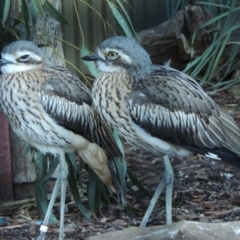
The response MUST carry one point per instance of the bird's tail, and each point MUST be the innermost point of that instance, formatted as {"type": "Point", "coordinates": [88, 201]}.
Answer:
{"type": "Point", "coordinates": [222, 154]}
{"type": "Point", "coordinates": [97, 160]}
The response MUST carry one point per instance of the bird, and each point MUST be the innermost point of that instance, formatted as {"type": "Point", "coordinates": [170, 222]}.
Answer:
{"type": "Point", "coordinates": [159, 109]}
{"type": "Point", "coordinates": [51, 109]}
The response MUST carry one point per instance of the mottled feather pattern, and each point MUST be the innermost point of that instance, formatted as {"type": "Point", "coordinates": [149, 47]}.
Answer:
{"type": "Point", "coordinates": [69, 87]}
{"type": "Point", "coordinates": [69, 102]}
{"type": "Point", "coordinates": [50, 108]}
{"type": "Point", "coordinates": [20, 103]}
{"type": "Point", "coordinates": [172, 106]}
{"type": "Point", "coordinates": [159, 108]}
{"type": "Point", "coordinates": [81, 119]}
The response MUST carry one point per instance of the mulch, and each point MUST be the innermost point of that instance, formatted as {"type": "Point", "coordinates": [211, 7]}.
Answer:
{"type": "Point", "coordinates": [204, 190]}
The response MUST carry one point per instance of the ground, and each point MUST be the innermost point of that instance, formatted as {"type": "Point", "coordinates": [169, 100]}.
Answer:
{"type": "Point", "coordinates": [204, 190]}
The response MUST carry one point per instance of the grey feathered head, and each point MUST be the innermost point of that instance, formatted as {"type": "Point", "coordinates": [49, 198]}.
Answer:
{"type": "Point", "coordinates": [22, 55]}
{"type": "Point", "coordinates": [122, 53]}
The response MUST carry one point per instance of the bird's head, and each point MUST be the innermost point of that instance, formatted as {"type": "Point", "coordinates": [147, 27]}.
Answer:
{"type": "Point", "coordinates": [21, 56]}
{"type": "Point", "coordinates": [120, 53]}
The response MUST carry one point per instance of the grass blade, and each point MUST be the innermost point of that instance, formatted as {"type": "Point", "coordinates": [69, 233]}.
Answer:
{"type": "Point", "coordinates": [54, 13]}
{"type": "Point", "coordinates": [138, 184]}
{"type": "Point", "coordinates": [121, 20]}
{"type": "Point", "coordinates": [38, 6]}
{"type": "Point", "coordinates": [6, 11]}
{"type": "Point", "coordinates": [25, 12]}
{"type": "Point", "coordinates": [74, 189]}
{"type": "Point", "coordinates": [90, 65]}
{"type": "Point", "coordinates": [128, 19]}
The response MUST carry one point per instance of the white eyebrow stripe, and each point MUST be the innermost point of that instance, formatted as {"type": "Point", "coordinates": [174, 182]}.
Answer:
{"type": "Point", "coordinates": [123, 55]}
{"type": "Point", "coordinates": [31, 54]}
{"type": "Point", "coordinates": [22, 53]}
{"type": "Point", "coordinates": [13, 58]}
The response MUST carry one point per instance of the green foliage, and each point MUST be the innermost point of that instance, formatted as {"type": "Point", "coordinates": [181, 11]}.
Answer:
{"type": "Point", "coordinates": [41, 198]}
{"type": "Point", "coordinates": [73, 185]}
{"type": "Point", "coordinates": [21, 27]}
{"type": "Point", "coordinates": [38, 7]}
{"type": "Point", "coordinates": [48, 7]}
{"type": "Point", "coordinates": [90, 65]}
{"type": "Point", "coordinates": [122, 19]}
{"type": "Point", "coordinates": [121, 165]}
{"type": "Point", "coordinates": [135, 182]}
{"type": "Point", "coordinates": [5, 11]}
{"type": "Point", "coordinates": [209, 68]}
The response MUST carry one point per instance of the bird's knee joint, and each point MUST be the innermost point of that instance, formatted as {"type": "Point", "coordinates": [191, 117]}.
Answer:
{"type": "Point", "coordinates": [63, 174]}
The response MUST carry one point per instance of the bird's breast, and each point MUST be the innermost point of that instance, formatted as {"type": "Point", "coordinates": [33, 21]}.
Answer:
{"type": "Point", "coordinates": [20, 103]}
{"type": "Point", "coordinates": [109, 95]}
{"type": "Point", "coordinates": [110, 101]}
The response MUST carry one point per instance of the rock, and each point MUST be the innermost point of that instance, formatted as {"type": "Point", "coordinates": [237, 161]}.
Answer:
{"type": "Point", "coordinates": [182, 230]}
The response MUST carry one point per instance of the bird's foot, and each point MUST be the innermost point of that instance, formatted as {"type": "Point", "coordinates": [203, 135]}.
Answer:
{"type": "Point", "coordinates": [63, 174]}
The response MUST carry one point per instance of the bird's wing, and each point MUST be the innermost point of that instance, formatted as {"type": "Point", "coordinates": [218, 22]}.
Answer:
{"type": "Point", "coordinates": [69, 87]}
{"type": "Point", "coordinates": [68, 101]}
{"type": "Point", "coordinates": [172, 106]}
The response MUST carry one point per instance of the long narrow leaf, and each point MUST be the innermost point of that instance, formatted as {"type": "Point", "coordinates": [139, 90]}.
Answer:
{"type": "Point", "coordinates": [121, 19]}
{"type": "Point", "coordinates": [117, 138]}
{"type": "Point", "coordinates": [54, 13]}
{"type": "Point", "coordinates": [6, 10]}
{"type": "Point", "coordinates": [37, 4]}
{"type": "Point", "coordinates": [208, 3]}
{"type": "Point", "coordinates": [90, 65]}
{"type": "Point", "coordinates": [121, 168]}
{"type": "Point", "coordinates": [40, 191]}
{"type": "Point", "coordinates": [74, 189]}
{"type": "Point", "coordinates": [26, 19]}
{"type": "Point", "coordinates": [138, 184]}
{"type": "Point", "coordinates": [219, 17]}
{"type": "Point", "coordinates": [128, 19]}
{"type": "Point", "coordinates": [92, 189]}
{"type": "Point", "coordinates": [53, 165]}
{"type": "Point", "coordinates": [103, 191]}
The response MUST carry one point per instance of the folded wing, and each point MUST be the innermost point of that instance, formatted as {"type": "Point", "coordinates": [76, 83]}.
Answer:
{"type": "Point", "coordinates": [173, 107]}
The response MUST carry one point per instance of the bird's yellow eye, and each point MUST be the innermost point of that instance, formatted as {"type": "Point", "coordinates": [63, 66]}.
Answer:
{"type": "Point", "coordinates": [112, 55]}
{"type": "Point", "coordinates": [24, 58]}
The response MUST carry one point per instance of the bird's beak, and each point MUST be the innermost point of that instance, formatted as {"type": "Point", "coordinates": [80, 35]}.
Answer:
{"type": "Point", "coordinates": [3, 62]}
{"type": "Point", "coordinates": [92, 57]}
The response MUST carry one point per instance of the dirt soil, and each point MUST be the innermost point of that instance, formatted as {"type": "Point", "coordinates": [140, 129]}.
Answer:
{"type": "Point", "coordinates": [204, 190]}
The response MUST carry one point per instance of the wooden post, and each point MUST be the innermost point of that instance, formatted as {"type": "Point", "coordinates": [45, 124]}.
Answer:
{"type": "Point", "coordinates": [6, 185]}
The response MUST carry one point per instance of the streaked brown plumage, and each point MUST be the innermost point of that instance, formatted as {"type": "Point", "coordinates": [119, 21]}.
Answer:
{"type": "Point", "coordinates": [50, 108]}
{"type": "Point", "coordinates": [160, 109]}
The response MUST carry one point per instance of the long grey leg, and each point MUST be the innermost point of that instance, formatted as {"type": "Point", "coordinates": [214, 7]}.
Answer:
{"type": "Point", "coordinates": [167, 181]}
{"type": "Point", "coordinates": [61, 181]}
{"type": "Point", "coordinates": [43, 228]}
{"type": "Point", "coordinates": [64, 174]}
